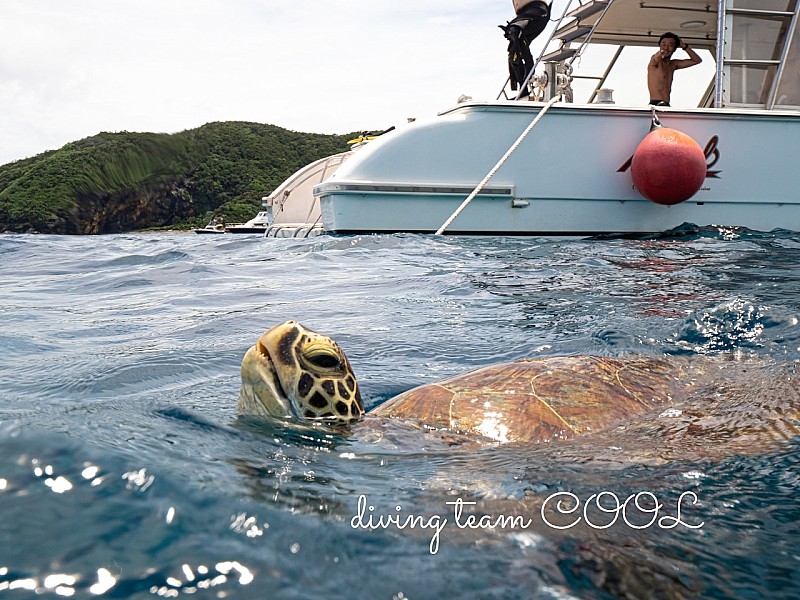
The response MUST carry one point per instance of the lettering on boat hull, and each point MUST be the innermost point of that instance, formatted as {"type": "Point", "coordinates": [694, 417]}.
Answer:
{"type": "Point", "coordinates": [711, 152]}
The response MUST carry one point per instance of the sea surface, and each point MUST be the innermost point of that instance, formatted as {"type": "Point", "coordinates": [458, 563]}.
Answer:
{"type": "Point", "coordinates": [125, 471]}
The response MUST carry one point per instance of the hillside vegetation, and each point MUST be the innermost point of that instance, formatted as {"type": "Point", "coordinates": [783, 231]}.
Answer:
{"type": "Point", "coordinates": [116, 182]}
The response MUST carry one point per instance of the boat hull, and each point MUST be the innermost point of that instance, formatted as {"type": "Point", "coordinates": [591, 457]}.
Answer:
{"type": "Point", "coordinates": [570, 176]}
{"type": "Point", "coordinates": [245, 229]}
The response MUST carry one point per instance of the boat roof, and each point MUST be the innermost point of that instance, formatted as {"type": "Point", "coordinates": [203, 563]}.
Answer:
{"type": "Point", "coordinates": [638, 23]}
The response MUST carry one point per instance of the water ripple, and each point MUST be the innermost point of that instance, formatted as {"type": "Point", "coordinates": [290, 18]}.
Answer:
{"type": "Point", "coordinates": [125, 469]}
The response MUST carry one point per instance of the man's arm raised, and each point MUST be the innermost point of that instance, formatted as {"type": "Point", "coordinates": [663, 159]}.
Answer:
{"type": "Point", "coordinates": [694, 58]}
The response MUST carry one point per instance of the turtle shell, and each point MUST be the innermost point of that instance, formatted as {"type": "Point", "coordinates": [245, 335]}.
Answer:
{"type": "Point", "coordinates": [545, 399]}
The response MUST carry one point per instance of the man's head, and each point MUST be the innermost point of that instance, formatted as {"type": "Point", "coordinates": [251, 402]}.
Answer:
{"type": "Point", "coordinates": [668, 43]}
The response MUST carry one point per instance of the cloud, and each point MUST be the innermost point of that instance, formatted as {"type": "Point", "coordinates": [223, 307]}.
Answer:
{"type": "Point", "coordinates": [72, 69]}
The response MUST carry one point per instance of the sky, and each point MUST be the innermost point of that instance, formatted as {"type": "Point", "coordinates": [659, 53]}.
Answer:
{"type": "Point", "coordinates": [70, 69]}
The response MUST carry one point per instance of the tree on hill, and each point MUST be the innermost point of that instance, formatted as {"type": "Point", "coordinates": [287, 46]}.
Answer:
{"type": "Point", "coordinates": [115, 182]}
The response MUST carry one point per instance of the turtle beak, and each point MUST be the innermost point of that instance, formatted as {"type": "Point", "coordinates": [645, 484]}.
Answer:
{"type": "Point", "coordinates": [261, 392]}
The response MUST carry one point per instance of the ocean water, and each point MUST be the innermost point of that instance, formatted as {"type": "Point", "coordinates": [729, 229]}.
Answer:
{"type": "Point", "coordinates": [125, 471]}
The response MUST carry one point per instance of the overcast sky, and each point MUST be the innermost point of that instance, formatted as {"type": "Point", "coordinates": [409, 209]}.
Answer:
{"type": "Point", "coordinates": [73, 68]}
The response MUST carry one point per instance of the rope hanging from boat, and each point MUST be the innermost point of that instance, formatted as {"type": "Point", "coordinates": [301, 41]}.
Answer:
{"type": "Point", "coordinates": [499, 164]}
{"type": "Point", "coordinates": [655, 123]}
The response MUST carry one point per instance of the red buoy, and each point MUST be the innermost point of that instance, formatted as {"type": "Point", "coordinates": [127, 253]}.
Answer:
{"type": "Point", "coordinates": [668, 166]}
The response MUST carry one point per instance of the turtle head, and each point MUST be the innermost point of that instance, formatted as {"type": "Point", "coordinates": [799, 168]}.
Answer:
{"type": "Point", "coordinates": [293, 372]}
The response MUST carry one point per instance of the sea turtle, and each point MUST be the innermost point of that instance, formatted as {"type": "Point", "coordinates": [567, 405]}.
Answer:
{"type": "Point", "coordinates": [298, 374]}
{"type": "Point", "coordinates": [600, 410]}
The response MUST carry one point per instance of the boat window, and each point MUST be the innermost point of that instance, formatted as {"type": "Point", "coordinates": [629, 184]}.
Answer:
{"type": "Point", "coordinates": [748, 83]}
{"type": "Point", "coordinates": [756, 42]}
{"type": "Point", "coordinates": [758, 37]}
{"type": "Point", "coordinates": [789, 87]}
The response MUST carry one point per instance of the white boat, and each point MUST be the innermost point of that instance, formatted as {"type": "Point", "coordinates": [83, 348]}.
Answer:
{"type": "Point", "coordinates": [215, 226]}
{"type": "Point", "coordinates": [258, 224]}
{"type": "Point", "coordinates": [291, 209]}
{"type": "Point", "coordinates": [571, 174]}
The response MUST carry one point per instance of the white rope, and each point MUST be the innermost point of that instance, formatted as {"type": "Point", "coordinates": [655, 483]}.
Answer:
{"type": "Point", "coordinates": [499, 164]}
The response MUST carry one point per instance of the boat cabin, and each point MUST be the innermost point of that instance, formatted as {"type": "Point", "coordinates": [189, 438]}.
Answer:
{"type": "Point", "coordinates": [755, 45]}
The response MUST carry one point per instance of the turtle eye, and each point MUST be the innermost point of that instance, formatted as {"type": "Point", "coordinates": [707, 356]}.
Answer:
{"type": "Point", "coordinates": [325, 361]}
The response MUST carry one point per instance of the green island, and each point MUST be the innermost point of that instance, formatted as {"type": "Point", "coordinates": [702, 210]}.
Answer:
{"type": "Point", "coordinates": [120, 182]}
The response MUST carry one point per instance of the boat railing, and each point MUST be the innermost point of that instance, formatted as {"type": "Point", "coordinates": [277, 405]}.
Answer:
{"type": "Point", "coordinates": [294, 230]}
{"type": "Point", "coordinates": [584, 8]}
{"type": "Point", "coordinates": [578, 32]}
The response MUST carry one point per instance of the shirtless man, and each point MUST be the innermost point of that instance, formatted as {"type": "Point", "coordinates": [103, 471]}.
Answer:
{"type": "Point", "coordinates": [662, 67]}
